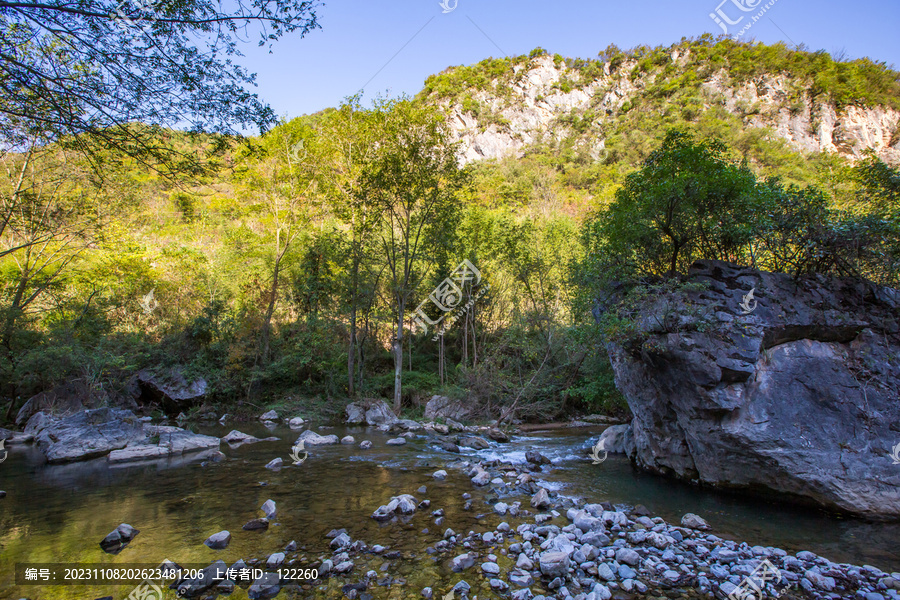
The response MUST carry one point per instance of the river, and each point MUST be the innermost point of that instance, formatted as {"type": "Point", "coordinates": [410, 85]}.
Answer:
{"type": "Point", "coordinates": [59, 513]}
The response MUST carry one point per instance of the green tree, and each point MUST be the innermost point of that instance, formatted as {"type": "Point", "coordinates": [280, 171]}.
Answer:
{"type": "Point", "coordinates": [412, 183]}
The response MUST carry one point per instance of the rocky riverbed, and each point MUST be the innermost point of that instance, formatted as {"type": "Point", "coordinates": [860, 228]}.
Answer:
{"type": "Point", "coordinates": [544, 546]}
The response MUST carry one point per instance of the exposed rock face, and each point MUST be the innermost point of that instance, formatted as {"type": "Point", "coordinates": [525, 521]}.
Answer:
{"type": "Point", "coordinates": [370, 412]}
{"type": "Point", "coordinates": [442, 407]}
{"type": "Point", "coordinates": [800, 396]}
{"type": "Point", "coordinates": [172, 391]}
{"type": "Point", "coordinates": [536, 105]}
{"type": "Point", "coordinates": [69, 398]}
{"type": "Point", "coordinates": [311, 438]}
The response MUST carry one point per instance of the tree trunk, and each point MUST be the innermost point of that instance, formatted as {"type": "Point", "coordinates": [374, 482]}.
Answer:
{"type": "Point", "coordinates": [269, 311]}
{"type": "Point", "coordinates": [398, 360]}
{"type": "Point", "coordinates": [441, 358]}
{"type": "Point", "coordinates": [351, 351]}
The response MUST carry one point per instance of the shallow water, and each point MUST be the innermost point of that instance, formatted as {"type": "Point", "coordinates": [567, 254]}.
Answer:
{"type": "Point", "coordinates": [59, 514]}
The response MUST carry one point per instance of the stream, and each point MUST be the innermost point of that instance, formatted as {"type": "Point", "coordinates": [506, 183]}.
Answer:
{"type": "Point", "coordinates": [59, 513]}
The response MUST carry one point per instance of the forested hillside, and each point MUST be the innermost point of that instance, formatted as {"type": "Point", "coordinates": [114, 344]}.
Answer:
{"type": "Point", "coordinates": [281, 267]}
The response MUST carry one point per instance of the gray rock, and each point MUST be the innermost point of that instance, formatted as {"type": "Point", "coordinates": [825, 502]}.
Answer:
{"type": "Point", "coordinates": [461, 588]}
{"type": "Point", "coordinates": [296, 423]}
{"type": "Point", "coordinates": [540, 500]}
{"type": "Point", "coordinates": [256, 524]}
{"type": "Point", "coordinates": [219, 541]}
{"type": "Point", "coordinates": [274, 560]}
{"type": "Point", "coordinates": [472, 441]}
{"type": "Point", "coordinates": [446, 446]}
{"type": "Point", "coordinates": [269, 509]}
{"type": "Point", "coordinates": [235, 438]}
{"type": "Point", "coordinates": [725, 386]}
{"type": "Point", "coordinates": [626, 572]}
{"type": "Point", "coordinates": [536, 458]}
{"type": "Point", "coordinates": [269, 416]}
{"type": "Point", "coordinates": [344, 567]}
{"type": "Point", "coordinates": [692, 521]}
{"type": "Point", "coordinates": [521, 578]}
{"type": "Point", "coordinates": [348, 439]}
{"type": "Point", "coordinates": [117, 539]}
{"type": "Point", "coordinates": [311, 438]}
{"type": "Point", "coordinates": [481, 478]}
{"type": "Point", "coordinates": [462, 562]}
{"type": "Point", "coordinates": [365, 445]}
{"type": "Point", "coordinates": [396, 441]}
{"type": "Point", "coordinates": [87, 434]}
{"type": "Point", "coordinates": [554, 564]}
{"type": "Point", "coordinates": [427, 593]}
{"type": "Point", "coordinates": [440, 475]}
{"type": "Point", "coordinates": [604, 571]}
{"type": "Point", "coordinates": [275, 464]}
{"type": "Point", "coordinates": [206, 579]}
{"type": "Point", "coordinates": [490, 568]}
{"type": "Point", "coordinates": [618, 439]}
{"type": "Point", "coordinates": [136, 453]}
{"type": "Point", "coordinates": [370, 412]}
{"type": "Point", "coordinates": [265, 587]}
{"type": "Point", "coordinates": [442, 407]}
{"type": "Point", "coordinates": [628, 557]}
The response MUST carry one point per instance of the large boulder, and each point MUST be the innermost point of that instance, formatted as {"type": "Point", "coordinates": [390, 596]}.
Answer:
{"type": "Point", "coordinates": [370, 412]}
{"type": "Point", "coordinates": [88, 434]}
{"type": "Point", "coordinates": [797, 395]}
{"type": "Point", "coordinates": [311, 438]}
{"type": "Point", "coordinates": [170, 390]}
{"type": "Point", "coordinates": [442, 407]}
{"type": "Point", "coordinates": [618, 439]}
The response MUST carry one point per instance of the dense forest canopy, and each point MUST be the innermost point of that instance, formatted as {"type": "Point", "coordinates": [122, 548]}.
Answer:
{"type": "Point", "coordinates": [290, 264]}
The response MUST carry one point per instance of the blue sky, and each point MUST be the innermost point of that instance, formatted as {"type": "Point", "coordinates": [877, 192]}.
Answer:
{"type": "Point", "coordinates": [358, 41]}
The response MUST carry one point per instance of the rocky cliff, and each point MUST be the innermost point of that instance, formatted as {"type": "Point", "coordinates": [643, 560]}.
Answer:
{"type": "Point", "coordinates": [544, 99]}
{"type": "Point", "coordinates": [800, 397]}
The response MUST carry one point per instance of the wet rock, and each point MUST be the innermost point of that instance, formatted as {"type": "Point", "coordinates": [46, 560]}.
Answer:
{"type": "Point", "coordinates": [344, 567]}
{"type": "Point", "coordinates": [628, 557]}
{"type": "Point", "coordinates": [405, 504]}
{"type": "Point", "coordinates": [269, 508]}
{"type": "Point", "coordinates": [474, 442]}
{"type": "Point", "coordinates": [235, 438]}
{"type": "Point", "coordinates": [618, 439]}
{"type": "Point", "coordinates": [462, 562]}
{"type": "Point", "coordinates": [396, 441]}
{"type": "Point", "coordinates": [427, 593]}
{"type": "Point", "coordinates": [275, 464]}
{"type": "Point", "coordinates": [541, 499]}
{"type": "Point", "coordinates": [692, 521]}
{"type": "Point", "coordinates": [117, 539]}
{"type": "Point", "coordinates": [365, 444]}
{"type": "Point", "coordinates": [265, 587]}
{"type": "Point", "coordinates": [462, 588]}
{"type": "Point", "coordinates": [446, 446]}
{"type": "Point", "coordinates": [481, 477]}
{"type": "Point", "coordinates": [311, 438]}
{"type": "Point", "coordinates": [219, 541]}
{"type": "Point", "coordinates": [521, 578]}
{"type": "Point", "coordinates": [440, 475]}
{"type": "Point", "coordinates": [536, 458]}
{"type": "Point", "coordinates": [341, 541]}
{"type": "Point", "coordinates": [256, 524]}
{"type": "Point", "coordinates": [348, 439]}
{"type": "Point", "coordinates": [269, 416]}
{"type": "Point", "coordinates": [2, 494]}
{"type": "Point", "coordinates": [498, 436]}
{"type": "Point", "coordinates": [490, 568]}
{"type": "Point", "coordinates": [291, 547]}
{"type": "Point", "coordinates": [296, 423]}
{"type": "Point", "coordinates": [206, 579]}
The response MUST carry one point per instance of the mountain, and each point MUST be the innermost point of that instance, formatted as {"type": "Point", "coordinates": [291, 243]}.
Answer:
{"type": "Point", "coordinates": [604, 107]}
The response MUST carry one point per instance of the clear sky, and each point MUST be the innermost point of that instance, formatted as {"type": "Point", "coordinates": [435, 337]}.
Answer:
{"type": "Point", "coordinates": [391, 47]}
